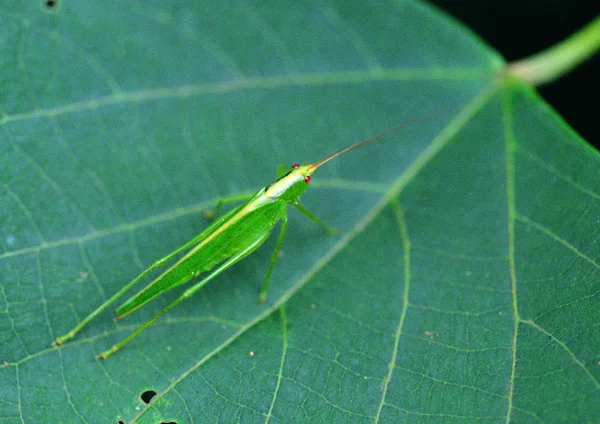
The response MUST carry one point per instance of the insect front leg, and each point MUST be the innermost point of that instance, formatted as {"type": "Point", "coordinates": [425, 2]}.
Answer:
{"type": "Point", "coordinates": [282, 170]}
{"type": "Point", "coordinates": [329, 230]}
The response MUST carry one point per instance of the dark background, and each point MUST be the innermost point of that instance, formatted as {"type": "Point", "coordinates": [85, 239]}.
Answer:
{"type": "Point", "coordinates": [519, 29]}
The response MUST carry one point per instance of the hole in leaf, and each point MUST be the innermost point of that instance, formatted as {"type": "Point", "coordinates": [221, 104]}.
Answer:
{"type": "Point", "coordinates": [169, 422]}
{"type": "Point", "coordinates": [147, 396]}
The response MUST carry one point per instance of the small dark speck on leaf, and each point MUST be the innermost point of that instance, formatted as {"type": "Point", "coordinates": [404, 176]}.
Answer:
{"type": "Point", "coordinates": [50, 4]}
{"type": "Point", "coordinates": [147, 396]}
{"type": "Point", "coordinates": [169, 422]}
{"type": "Point", "coordinates": [121, 422]}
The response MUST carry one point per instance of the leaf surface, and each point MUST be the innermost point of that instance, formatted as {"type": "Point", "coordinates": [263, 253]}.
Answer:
{"type": "Point", "coordinates": [463, 286]}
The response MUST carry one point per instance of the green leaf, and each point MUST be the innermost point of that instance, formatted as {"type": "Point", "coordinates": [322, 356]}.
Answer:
{"type": "Point", "coordinates": [463, 286]}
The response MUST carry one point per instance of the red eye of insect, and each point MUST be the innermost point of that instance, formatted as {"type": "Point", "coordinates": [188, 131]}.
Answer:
{"type": "Point", "coordinates": [307, 179]}
{"type": "Point", "coordinates": [294, 166]}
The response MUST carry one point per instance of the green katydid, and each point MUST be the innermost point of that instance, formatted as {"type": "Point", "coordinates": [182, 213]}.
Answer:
{"type": "Point", "coordinates": [229, 239]}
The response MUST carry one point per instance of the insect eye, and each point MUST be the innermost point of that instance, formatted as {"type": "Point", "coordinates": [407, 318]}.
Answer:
{"type": "Point", "coordinates": [294, 166]}
{"type": "Point", "coordinates": [307, 179]}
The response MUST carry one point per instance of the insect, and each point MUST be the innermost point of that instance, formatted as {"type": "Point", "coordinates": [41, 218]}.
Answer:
{"type": "Point", "coordinates": [229, 239]}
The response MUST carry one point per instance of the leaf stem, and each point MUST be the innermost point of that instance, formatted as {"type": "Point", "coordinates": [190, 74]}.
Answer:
{"type": "Point", "coordinates": [556, 61]}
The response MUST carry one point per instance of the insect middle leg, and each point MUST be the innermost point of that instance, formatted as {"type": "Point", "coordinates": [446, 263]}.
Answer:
{"type": "Point", "coordinates": [263, 292]}
{"type": "Point", "coordinates": [329, 230]}
{"type": "Point", "coordinates": [212, 213]}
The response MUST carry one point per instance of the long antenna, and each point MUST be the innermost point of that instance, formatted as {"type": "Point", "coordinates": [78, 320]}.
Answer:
{"type": "Point", "coordinates": [378, 135]}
